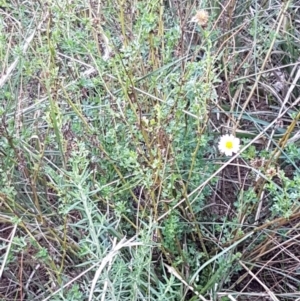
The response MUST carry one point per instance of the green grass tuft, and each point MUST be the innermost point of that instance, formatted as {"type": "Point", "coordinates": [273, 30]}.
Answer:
{"type": "Point", "coordinates": [113, 185]}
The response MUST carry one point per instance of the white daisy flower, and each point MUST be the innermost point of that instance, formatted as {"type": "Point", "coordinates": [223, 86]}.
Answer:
{"type": "Point", "coordinates": [229, 144]}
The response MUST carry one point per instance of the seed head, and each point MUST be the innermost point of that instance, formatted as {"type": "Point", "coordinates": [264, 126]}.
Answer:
{"type": "Point", "coordinates": [201, 17]}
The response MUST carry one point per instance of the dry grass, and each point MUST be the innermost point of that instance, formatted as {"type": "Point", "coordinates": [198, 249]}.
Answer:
{"type": "Point", "coordinates": [110, 115]}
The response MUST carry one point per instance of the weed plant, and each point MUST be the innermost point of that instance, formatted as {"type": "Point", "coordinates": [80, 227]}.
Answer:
{"type": "Point", "coordinates": [113, 186]}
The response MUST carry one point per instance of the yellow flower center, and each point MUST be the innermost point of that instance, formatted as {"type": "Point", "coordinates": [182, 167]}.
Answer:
{"type": "Point", "coordinates": [229, 145]}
